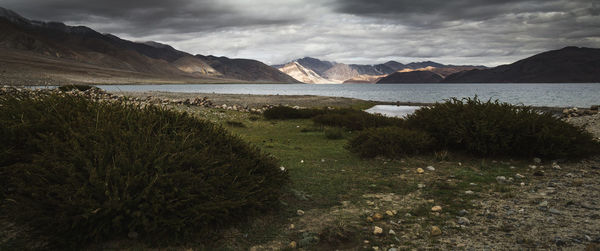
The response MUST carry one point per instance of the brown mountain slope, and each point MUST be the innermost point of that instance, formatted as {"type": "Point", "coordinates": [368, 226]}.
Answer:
{"type": "Point", "coordinates": [411, 77]}
{"type": "Point", "coordinates": [68, 45]}
{"type": "Point", "coordinates": [567, 65]}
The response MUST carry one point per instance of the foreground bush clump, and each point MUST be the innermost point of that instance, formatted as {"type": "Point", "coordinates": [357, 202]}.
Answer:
{"type": "Point", "coordinates": [285, 112]}
{"type": "Point", "coordinates": [355, 119]}
{"type": "Point", "coordinates": [390, 142]}
{"type": "Point", "coordinates": [493, 128]}
{"type": "Point", "coordinates": [75, 171]}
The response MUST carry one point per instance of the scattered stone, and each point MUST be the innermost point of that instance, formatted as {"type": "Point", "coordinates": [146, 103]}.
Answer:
{"type": "Point", "coordinates": [435, 231]}
{"type": "Point", "coordinates": [420, 170]}
{"type": "Point", "coordinates": [421, 186]}
{"type": "Point", "coordinates": [469, 192]}
{"type": "Point", "coordinates": [555, 166]}
{"type": "Point", "coordinates": [377, 230]}
{"type": "Point", "coordinates": [370, 219]}
{"type": "Point", "coordinates": [436, 209]}
{"type": "Point", "coordinates": [543, 204]}
{"type": "Point", "coordinates": [501, 179]}
{"type": "Point", "coordinates": [292, 226]}
{"type": "Point", "coordinates": [537, 160]}
{"type": "Point", "coordinates": [389, 213]}
{"type": "Point", "coordinates": [512, 167]}
{"type": "Point", "coordinates": [376, 248]}
{"type": "Point", "coordinates": [293, 244]}
{"type": "Point", "coordinates": [430, 168]}
{"type": "Point", "coordinates": [463, 212]}
{"type": "Point", "coordinates": [377, 216]}
{"type": "Point", "coordinates": [299, 212]}
{"type": "Point", "coordinates": [366, 242]}
{"type": "Point", "coordinates": [519, 176]}
{"type": "Point", "coordinates": [393, 249]}
{"type": "Point", "coordinates": [391, 232]}
{"type": "Point", "coordinates": [554, 211]}
{"type": "Point", "coordinates": [463, 221]}
{"type": "Point", "coordinates": [301, 161]}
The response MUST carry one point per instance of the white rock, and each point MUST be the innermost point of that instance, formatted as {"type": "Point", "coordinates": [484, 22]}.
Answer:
{"type": "Point", "coordinates": [430, 168]}
{"type": "Point", "coordinates": [377, 230]}
{"type": "Point", "coordinates": [501, 179]}
{"type": "Point", "coordinates": [391, 232]}
{"type": "Point", "coordinates": [469, 192]}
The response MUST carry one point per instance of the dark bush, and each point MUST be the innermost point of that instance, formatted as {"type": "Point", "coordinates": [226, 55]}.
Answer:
{"type": "Point", "coordinates": [334, 133]}
{"type": "Point", "coordinates": [390, 142]}
{"type": "Point", "coordinates": [66, 88]}
{"type": "Point", "coordinates": [355, 119]}
{"type": "Point", "coordinates": [494, 128]}
{"type": "Point", "coordinates": [285, 112]}
{"type": "Point", "coordinates": [75, 171]}
{"type": "Point", "coordinates": [234, 123]}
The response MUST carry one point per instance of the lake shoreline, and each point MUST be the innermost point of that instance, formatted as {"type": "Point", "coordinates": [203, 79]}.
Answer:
{"type": "Point", "coordinates": [258, 100]}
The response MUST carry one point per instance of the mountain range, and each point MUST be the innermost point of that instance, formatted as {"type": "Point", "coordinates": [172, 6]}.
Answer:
{"type": "Point", "coordinates": [321, 72]}
{"type": "Point", "coordinates": [39, 52]}
{"type": "Point", "coordinates": [35, 52]}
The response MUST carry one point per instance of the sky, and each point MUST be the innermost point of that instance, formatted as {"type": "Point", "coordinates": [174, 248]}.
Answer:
{"type": "Point", "coordinates": [473, 32]}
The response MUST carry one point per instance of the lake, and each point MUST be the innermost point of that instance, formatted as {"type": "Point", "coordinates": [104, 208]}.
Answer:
{"type": "Point", "coordinates": [556, 95]}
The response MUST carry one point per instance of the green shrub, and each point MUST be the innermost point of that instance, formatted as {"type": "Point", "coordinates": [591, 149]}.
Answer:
{"type": "Point", "coordinates": [334, 133]}
{"type": "Point", "coordinates": [355, 119]}
{"type": "Point", "coordinates": [285, 112]}
{"type": "Point", "coordinates": [234, 123]}
{"type": "Point", "coordinates": [390, 142]}
{"type": "Point", "coordinates": [494, 128]}
{"type": "Point", "coordinates": [75, 171]}
{"type": "Point", "coordinates": [66, 88]}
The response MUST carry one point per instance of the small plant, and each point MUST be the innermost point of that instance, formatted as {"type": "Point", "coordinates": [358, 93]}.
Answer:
{"type": "Point", "coordinates": [235, 124]}
{"type": "Point", "coordinates": [390, 142]}
{"type": "Point", "coordinates": [285, 112]}
{"type": "Point", "coordinates": [441, 155]}
{"type": "Point", "coordinates": [334, 133]}
{"type": "Point", "coordinates": [355, 119]}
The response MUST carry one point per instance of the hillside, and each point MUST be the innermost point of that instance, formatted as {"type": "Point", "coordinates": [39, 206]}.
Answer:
{"type": "Point", "coordinates": [41, 52]}
{"type": "Point", "coordinates": [302, 74]}
{"type": "Point", "coordinates": [567, 65]}
{"type": "Point", "coordinates": [363, 73]}
{"type": "Point", "coordinates": [411, 77]}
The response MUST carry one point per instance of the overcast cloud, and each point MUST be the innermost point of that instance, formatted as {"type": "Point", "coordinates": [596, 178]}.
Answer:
{"type": "Point", "coordinates": [351, 31]}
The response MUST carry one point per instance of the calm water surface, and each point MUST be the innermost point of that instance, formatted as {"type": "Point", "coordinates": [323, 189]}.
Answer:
{"type": "Point", "coordinates": [558, 95]}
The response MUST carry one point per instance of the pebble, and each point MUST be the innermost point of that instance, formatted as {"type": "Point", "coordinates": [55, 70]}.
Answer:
{"type": "Point", "coordinates": [420, 170]}
{"type": "Point", "coordinates": [292, 226]}
{"type": "Point", "coordinates": [469, 192]}
{"type": "Point", "coordinates": [370, 219]}
{"type": "Point", "coordinates": [377, 216]}
{"type": "Point", "coordinates": [543, 204]}
{"type": "Point", "coordinates": [377, 230]}
{"type": "Point", "coordinates": [430, 168]}
{"type": "Point", "coordinates": [390, 213]}
{"type": "Point", "coordinates": [501, 179]}
{"type": "Point", "coordinates": [393, 249]}
{"type": "Point", "coordinates": [420, 186]}
{"type": "Point", "coordinates": [537, 160]}
{"type": "Point", "coordinates": [391, 232]}
{"type": "Point", "coordinates": [435, 231]}
{"type": "Point", "coordinates": [293, 244]}
{"type": "Point", "coordinates": [463, 212]}
{"type": "Point", "coordinates": [376, 248]}
{"type": "Point", "coordinates": [463, 221]}
{"type": "Point", "coordinates": [436, 209]}
{"type": "Point", "coordinates": [519, 176]}
{"type": "Point", "coordinates": [554, 211]}
{"type": "Point", "coordinates": [300, 212]}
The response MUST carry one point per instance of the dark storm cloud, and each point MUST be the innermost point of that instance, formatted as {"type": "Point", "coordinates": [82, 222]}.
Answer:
{"type": "Point", "coordinates": [351, 31]}
{"type": "Point", "coordinates": [433, 12]}
{"type": "Point", "coordinates": [143, 17]}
